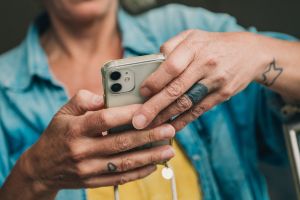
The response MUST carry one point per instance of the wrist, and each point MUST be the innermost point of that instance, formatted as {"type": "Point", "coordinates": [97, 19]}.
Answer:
{"type": "Point", "coordinates": [29, 176]}
{"type": "Point", "coordinates": [262, 55]}
{"type": "Point", "coordinates": [21, 185]}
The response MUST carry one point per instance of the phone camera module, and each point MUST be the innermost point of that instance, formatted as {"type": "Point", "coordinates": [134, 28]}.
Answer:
{"type": "Point", "coordinates": [115, 75]}
{"type": "Point", "coordinates": [117, 87]}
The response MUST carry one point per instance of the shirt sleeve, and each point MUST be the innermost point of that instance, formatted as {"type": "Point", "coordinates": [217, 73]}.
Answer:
{"type": "Point", "coordinates": [4, 151]}
{"type": "Point", "coordinates": [269, 127]}
{"type": "Point", "coordinates": [4, 156]}
{"type": "Point", "coordinates": [180, 18]}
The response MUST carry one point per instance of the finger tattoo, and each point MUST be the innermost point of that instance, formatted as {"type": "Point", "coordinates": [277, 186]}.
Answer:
{"type": "Point", "coordinates": [111, 167]}
{"type": "Point", "coordinates": [197, 92]}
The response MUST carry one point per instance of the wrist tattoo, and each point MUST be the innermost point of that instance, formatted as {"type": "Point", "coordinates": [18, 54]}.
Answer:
{"type": "Point", "coordinates": [111, 167]}
{"type": "Point", "coordinates": [270, 76]}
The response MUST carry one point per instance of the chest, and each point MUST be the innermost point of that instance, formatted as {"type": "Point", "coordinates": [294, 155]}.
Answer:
{"type": "Point", "coordinates": [82, 72]}
{"type": "Point", "coordinates": [75, 78]}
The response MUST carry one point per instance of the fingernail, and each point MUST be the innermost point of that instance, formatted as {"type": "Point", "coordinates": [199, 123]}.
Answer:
{"type": "Point", "coordinates": [167, 131]}
{"type": "Point", "coordinates": [97, 100]}
{"type": "Point", "coordinates": [139, 121]}
{"type": "Point", "coordinates": [145, 91]}
{"type": "Point", "coordinates": [167, 154]}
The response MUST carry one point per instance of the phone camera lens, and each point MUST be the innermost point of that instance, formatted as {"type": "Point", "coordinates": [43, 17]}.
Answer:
{"type": "Point", "coordinates": [117, 87]}
{"type": "Point", "coordinates": [115, 75]}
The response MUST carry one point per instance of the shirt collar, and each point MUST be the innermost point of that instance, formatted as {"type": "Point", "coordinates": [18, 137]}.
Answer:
{"type": "Point", "coordinates": [27, 61]}
{"type": "Point", "coordinates": [37, 59]}
{"type": "Point", "coordinates": [136, 40]}
{"type": "Point", "coordinates": [136, 37]}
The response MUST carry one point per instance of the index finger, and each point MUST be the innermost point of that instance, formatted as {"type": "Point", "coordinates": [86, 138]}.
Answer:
{"type": "Point", "coordinates": [175, 63]}
{"type": "Point", "coordinates": [160, 101]}
{"type": "Point", "coordinates": [100, 121]}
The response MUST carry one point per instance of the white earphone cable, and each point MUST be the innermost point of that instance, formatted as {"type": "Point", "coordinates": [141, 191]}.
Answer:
{"type": "Point", "coordinates": [173, 184]}
{"type": "Point", "coordinates": [116, 192]}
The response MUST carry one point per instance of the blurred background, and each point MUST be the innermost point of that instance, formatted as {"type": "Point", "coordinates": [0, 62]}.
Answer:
{"type": "Point", "coordinates": [275, 15]}
{"type": "Point", "coordinates": [266, 15]}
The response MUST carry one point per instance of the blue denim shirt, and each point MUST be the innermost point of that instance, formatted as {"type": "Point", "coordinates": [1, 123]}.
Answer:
{"type": "Point", "coordinates": [224, 145]}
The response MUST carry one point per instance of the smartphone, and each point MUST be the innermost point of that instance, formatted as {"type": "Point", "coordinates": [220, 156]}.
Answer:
{"type": "Point", "coordinates": [122, 80]}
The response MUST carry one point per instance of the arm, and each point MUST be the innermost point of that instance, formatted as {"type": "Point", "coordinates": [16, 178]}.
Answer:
{"type": "Point", "coordinates": [19, 185]}
{"type": "Point", "coordinates": [15, 182]}
{"type": "Point", "coordinates": [282, 73]}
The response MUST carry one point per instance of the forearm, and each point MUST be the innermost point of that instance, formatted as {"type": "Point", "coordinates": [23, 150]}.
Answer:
{"type": "Point", "coordinates": [280, 67]}
{"type": "Point", "coordinates": [19, 185]}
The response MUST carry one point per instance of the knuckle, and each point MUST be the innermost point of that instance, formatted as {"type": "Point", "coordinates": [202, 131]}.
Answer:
{"type": "Point", "coordinates": [81, 93]}
{"type": "Point", "coordinates": [74, 129]}
{"type": "Point", "coordinates": [180, 124]}
{"type": "Point", "coordinates": [165, 48]}
{"type": "Point", "coordinates": [76, 151]}
{"type": "Point", "coordinates": [190, 44]}
{"type": "Point", "coordinates": [80, 172]}
{"type": "Point", "coordinates": [226, 93]}
{"type": "Point", "coordinates": [155, 158]}
{"type": "Point", "coordinates": [198, 110]}
{"type": "Point", "coordinates": [151, 136]}
{"type": "Point", "coordinates": [183, 103]}
{"type": "Point", "coordinates": [189, 32]}
{"type": "Point", "coordinates": [123, 179]}
{"type": "Point", "coordinates": [87, 184]}
{"type": "Point", "coordinates": [211, 63]}
{"type": "Point", "coordinates": [76, 154]}
{"type": "Point", "coordinates": [126, 164]}
{"type": "Point", "coordinates": [101, 119]}
{"type": "Point", "coordinates": [79, 96]}
{"type": "Point", "coordinates": [206, 106]}
{"type": "Point", "coordinates": [154, 85]}
{"type": "Point", "coordinates": [221, 79]}
{"type": "Point", "coordinates": [175, 89]}
{"type": "Point", "coordinates": [121, 143]}
{"type": "Point", "coordinates": [172, 67]}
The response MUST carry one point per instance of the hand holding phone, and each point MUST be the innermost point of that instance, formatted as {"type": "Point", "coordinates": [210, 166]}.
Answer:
{"type": "Point", "coordinates": [81, 157]}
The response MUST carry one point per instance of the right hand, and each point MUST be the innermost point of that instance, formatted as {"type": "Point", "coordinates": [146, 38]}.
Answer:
{"type": "Point", "coordinates": [72, 153]}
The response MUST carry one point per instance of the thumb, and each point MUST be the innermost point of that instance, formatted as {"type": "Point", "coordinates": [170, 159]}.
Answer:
{"type": "Point", "coordinates": [82, 102]}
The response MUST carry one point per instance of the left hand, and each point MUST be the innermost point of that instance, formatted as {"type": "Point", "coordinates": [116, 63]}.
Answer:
{"type": "Point", "coordinates": [224, 63]}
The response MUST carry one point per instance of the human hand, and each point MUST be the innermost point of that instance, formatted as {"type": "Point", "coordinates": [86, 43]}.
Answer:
{"type": "Point", "coordinates": [222, 64]}
{"type": "Point", "coordinates": [72, 153]}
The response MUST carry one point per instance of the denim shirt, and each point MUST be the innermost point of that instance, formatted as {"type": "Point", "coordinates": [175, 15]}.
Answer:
{"type": "Point", "coordinates": [224, 145]}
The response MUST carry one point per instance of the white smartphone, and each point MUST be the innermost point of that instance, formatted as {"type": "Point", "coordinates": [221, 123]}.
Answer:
{"type": "Point", "coordinates": [122, 80]}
